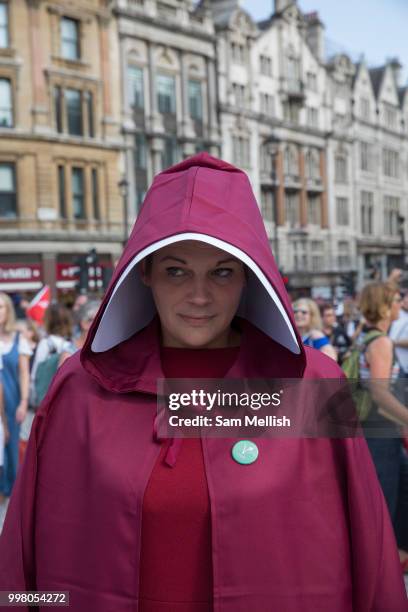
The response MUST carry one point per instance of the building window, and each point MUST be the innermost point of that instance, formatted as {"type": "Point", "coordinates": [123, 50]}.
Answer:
{"type": "Point", "coordinates": [342, 211]}
{"type": "Point", "coordinates": [340, 169]}
{"type": "Point", "coordinates": [95, 195]}
{"type": "Point", "coordinates": [8, 194]}
{"type": "Point", "coordinates": [239, 93]}
{"type": "Point", "coordinates": [292, 208]}
{"type": "Point", "coordinates": [267, 104]}
{"type": "Point", "coordinates": [58, 102]}
{"type": "Point", "coordinates": [166, 94]}
{"type": "Point", "coordinates": [367, 208]}
{"type": "Point", "coordinates": [6, 104]}
{"type": "Point", "coordinates": [317, 255]}
{"type": "Point", "coordinates": [195, 99]}
{"type": "Point", "coordinates": [265, 65]}
{"type": "Point", "coordinates": [268, 204]}
{"type": "Point", "coordinates": [170, 152]}
{"type": "Point", "coordinates": [312, 117]}
{"type": "Point", "coordinates": [140, 152]}
{"type": "Point", "coordinates": [391, 163]}
{"type": "Point", "coordinates": [291, 162]}
{"type": "Point", "coordinates": [74, 112]}
{"type": "Point", "coordinates": [4, 31]}
{"type": "Point", "coordinates": [300, 259]}
{"type": "Point", "coordinates": [70, 39]}
{"type": "Point", "coordinates": [61, 193]}
{"type": "Point", "coordinates": [88, 100]}
{"type": "Point", "coordinates": [166, 11]}
{"type": "Point", "coordinates": [312, 165]}
{"type": "Point", "coordinates": [391, 214]}
{"type": "Point", "coordinates": [78, 193]}
{"type": "Point", "coordinates": [314, 209]}
{"type": "Point", "coordinates": [240, 151]}
{"type": "Point", "coordinates": [390, 116]}
{"type": "Point", "coordinates": [366, 157]}
{"type": "Point", "coordinates": [238, 53]}
{"type": "Point", "coordinates": [343, 257]}
{"type": "Point", "coordinates": [135, 87]}
{"type": "Point", "coordinates": [293, 72]}
{"type": "Point", "coordinates": [311, 80]}
{"type": "Point", "coordinates": [291, 112]}
{"type": "Point", "coordinates": [365, 108]}
{"type": "Point", "coordinates": [266, 160]}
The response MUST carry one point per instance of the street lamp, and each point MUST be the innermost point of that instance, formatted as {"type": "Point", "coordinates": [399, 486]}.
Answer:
{"type": "Point", "coordinates": [274, 150]}
{"type": "Point", "coordinates": [124, 192]}
{"type": "Point", "coordinates": [401, 228]}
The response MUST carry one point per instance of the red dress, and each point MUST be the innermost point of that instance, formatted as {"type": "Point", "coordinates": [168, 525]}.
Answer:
{"type": "Point", "coordinates": [176, 566]}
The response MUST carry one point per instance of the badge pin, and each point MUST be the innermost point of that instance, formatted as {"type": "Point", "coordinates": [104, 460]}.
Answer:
{"type": "Point", "coordinates": [245, 452]}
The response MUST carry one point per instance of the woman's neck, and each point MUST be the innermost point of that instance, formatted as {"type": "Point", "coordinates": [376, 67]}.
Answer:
{"type": "Point", "coordinates": [383, 325]}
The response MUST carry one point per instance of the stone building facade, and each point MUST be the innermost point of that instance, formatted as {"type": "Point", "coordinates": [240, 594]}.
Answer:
{"type": "Point", "coordinates": [169, 87]}
{"type": "Point", "coordinates": [60, 158]}
{"type": "Point", "coordinates": [91, 92]}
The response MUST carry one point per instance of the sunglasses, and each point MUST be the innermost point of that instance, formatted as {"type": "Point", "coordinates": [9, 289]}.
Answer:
{"type": "Point", "coordinates": [297, 310]}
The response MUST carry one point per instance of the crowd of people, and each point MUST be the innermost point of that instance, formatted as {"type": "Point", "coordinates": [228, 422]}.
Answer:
{"type": "Point", "coordinates": [30, 355]}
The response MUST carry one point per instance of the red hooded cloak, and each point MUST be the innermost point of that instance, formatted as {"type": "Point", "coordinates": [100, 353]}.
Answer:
{"type": "Point", "coordinates": [305, 527]}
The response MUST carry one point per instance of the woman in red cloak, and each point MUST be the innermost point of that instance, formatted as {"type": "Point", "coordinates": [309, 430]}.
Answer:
{"type": "Point", "coordinates": [125, 521]}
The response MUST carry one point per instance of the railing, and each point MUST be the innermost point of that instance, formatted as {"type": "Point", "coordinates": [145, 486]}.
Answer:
{"type": "Point", "coordinates": [26, 226]}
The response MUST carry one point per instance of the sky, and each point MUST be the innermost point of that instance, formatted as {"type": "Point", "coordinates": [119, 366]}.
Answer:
{"type": "Point", "coordinates": [376, 28]}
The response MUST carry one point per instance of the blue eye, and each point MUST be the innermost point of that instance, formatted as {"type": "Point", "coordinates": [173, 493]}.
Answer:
{"type": "Point", "coordinates": [223, 272]}
{"type": "Point", "coordinates": [174, 271]}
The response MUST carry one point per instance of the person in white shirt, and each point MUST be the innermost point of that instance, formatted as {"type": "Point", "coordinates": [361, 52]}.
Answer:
{"type": "Point", "coordinates": [399, 336]}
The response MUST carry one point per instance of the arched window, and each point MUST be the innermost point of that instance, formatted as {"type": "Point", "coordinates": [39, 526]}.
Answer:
{"type": "Point", "coordinates": [312, 165]}
{"type": "Point", "coordinates": [291, 161]}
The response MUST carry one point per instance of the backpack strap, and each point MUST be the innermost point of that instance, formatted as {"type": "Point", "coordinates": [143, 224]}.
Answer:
{"type": "Point", "coordinates": [370, 336]}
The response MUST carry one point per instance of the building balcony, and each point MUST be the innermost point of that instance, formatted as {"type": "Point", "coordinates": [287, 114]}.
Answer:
{"type": "Point", "coordinates": [58, 229]}
{"type": "Point", "coordinates": [294, 89]}
{"type": "Point", "coordinates": [269, 179]}
{"type": "Point", "coordinates": [314, 185]}
{"type": "Point", "coordinates": [292, 181]}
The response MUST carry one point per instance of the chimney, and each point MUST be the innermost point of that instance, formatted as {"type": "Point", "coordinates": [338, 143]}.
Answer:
{"type": "Point", "coordinates": [315, 34]}
{"type": "Point", "coordinates": [280, 5]}
{"type": "Point", "coordinates": [396, 67]}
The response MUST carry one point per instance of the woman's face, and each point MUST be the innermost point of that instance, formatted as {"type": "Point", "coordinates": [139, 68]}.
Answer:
{"type": "Point", "coordinates": [3, 312]}
{"type": "Point", "coordinates": [197, 289]}
{"type": "Point", "coordinates": [302, 315]}
{"type": "Point", "coordinates": [86, 323]}
{"type": "Point", "coordinates": [395, 307]}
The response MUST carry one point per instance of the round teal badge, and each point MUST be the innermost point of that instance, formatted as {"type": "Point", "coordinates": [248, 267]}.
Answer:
{"type": "Point", "coordinates": [245, 452]}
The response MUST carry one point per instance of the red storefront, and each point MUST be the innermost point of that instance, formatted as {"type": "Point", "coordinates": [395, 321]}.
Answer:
{"type": "Point", "coordinates": [26, 279]}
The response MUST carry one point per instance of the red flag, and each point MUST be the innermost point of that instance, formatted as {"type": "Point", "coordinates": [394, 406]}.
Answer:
{"type": "Point", "coordinates": [39, 304]}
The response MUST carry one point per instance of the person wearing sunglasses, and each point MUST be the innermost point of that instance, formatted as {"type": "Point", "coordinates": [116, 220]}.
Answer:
{"type": "Point", "coordinates": [309, 324]}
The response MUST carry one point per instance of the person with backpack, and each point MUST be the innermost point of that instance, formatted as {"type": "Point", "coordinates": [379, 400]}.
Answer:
{"type": "Point", "coordinates": [380, 304]}
{"type": "Point", "coordinates": [15, 353]}
{"type": "Point", "coordinates": [125, 518]}
{"type": "Point", "coordinates": [58, 340]}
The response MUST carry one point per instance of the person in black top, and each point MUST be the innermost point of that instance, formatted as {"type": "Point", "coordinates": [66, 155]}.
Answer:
{"type": "Point", "coordinates": [335, 332]}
